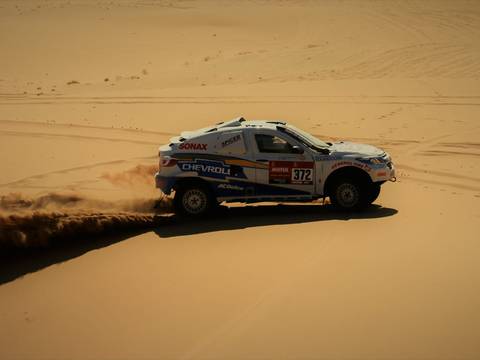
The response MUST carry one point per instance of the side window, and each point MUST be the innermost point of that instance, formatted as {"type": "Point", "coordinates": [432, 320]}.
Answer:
{"type": "Point", "coordinates": [273, 144]}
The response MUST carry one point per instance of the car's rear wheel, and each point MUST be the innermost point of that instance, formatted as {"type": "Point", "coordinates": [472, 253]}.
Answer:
{"type": "Point", "coordinates": [193, 200]}
{"type": "Point", "coordinates": [348, 194]}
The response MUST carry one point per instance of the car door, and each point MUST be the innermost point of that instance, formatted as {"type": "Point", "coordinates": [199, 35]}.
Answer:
{"type": "Point", "coordinates": [288, 168]}
{"type": "Point", "coordinates": [231, 150]}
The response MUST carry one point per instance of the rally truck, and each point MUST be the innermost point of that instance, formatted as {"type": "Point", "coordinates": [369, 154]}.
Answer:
{"type": "Point", "coordinates": [256, 161]}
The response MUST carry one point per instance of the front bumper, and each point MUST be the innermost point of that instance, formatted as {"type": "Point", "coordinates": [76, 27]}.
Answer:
{"type": "Point", "coordinates": [385, 173]}
{"type": "Point", "coordinates": [164, 183]}
{"type": "Point", "coordinates": [392, 176]}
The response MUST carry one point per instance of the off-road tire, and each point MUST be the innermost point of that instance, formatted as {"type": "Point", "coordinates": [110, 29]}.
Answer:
{"type": "Point", "coordinates": [348, 194]}
{"type": "Point", "coordinates": [373, 192]}
{"type": "Point", "coordinates": [193, 200]}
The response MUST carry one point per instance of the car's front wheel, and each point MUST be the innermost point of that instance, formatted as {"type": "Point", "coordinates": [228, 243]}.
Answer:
{"type": "Point", "coordinates": [349, 194]}
{"type": "Point", "coordinates": [373, 192]}
{"type": "Point", "coordinates": [193, 200]}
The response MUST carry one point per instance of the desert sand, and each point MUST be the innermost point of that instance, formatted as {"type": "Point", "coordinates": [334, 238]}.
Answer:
{"type": "Point", "coordinates": [90, 89]}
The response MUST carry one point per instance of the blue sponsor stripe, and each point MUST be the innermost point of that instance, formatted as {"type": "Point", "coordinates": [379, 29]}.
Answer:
{"type": "Point", "coordinates": [245, 188]}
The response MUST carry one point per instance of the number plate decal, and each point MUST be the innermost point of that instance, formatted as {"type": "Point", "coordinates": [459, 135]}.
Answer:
{"type": "Point", "coordinates": [290, 172]}
{"type": "Point", "coordinates": [301, 176]}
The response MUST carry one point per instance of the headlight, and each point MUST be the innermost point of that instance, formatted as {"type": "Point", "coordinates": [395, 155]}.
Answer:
{"type": "Point", "coordinates": [375, 161]}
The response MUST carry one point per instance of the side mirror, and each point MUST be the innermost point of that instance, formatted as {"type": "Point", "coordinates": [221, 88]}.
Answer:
{"type": "Point", "coordinates": [297, 149]}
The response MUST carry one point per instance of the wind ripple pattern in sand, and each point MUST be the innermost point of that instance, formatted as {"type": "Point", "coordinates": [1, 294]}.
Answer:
{"type": "Point", "coordinates": [326, 99]}
{"type": "Point", "coordinates": [440, 60]}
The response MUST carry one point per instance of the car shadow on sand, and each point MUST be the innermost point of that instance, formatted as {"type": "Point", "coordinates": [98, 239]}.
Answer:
{"type": "Point", "coordinates": [15, 264]}
{"type": "Point", "coordinates": [234, 218]}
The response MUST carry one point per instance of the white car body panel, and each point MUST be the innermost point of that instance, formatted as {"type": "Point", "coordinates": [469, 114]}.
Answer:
{"type": "Point", "coordinates": [227, 156]}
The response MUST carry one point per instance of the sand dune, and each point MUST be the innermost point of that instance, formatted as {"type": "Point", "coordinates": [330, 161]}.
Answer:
{"type": "Point", "coordinates": [89, 89]}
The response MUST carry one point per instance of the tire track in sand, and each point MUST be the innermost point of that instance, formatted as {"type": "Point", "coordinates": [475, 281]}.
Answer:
{"type": "Point", "coordinates": [61, 171]}
{"type": "Point", "coordinates": [373, 100]}
{"type": "Point", "coordinates": [72, 136]}
{"type": "Point", "coordinates": [79, 126]}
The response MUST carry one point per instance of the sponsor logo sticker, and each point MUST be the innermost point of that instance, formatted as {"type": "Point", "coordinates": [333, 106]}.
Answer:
{"type": "Point", "coordinates": [351, 163]}
{"type": "Point", "coordinates": [211, 168]}
{"type": "Point", "coordinates": [230, 187]}
{"type": "Point", "coordinates": [290, 172]}
{"type": "Point", "coordinates": [192, 146]}
{"type": "Point", "coordinates": [231, 140]}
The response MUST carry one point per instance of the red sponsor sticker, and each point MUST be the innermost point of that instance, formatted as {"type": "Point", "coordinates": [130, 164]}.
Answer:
{"type": "Point", "coordinates": [192, 146]}
{"type": "Point", "coordinates": [290, 172]}
{"type": "Point", "coordinates": [351, 163]}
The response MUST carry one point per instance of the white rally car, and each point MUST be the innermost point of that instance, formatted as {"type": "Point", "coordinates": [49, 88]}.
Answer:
{"type": "Point", "coordinates": [253, 161]}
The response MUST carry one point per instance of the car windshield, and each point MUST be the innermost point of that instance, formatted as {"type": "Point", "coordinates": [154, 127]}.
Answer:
{"type": "Point", "coordinates": [306, 137]}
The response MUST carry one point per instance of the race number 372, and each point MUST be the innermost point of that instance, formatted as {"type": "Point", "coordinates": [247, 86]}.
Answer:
{"type": "Point", "coordinates": [301, 176]}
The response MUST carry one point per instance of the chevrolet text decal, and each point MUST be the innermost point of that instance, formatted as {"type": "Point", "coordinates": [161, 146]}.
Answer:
{"type": "Point", "coordinates": [192, 146]}
{"type": "Point", "coordinates": [214, 169]}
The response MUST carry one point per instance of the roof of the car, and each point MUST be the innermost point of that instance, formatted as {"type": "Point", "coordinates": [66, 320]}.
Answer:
{"type": "Point", "coordinates": [237, 123]}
